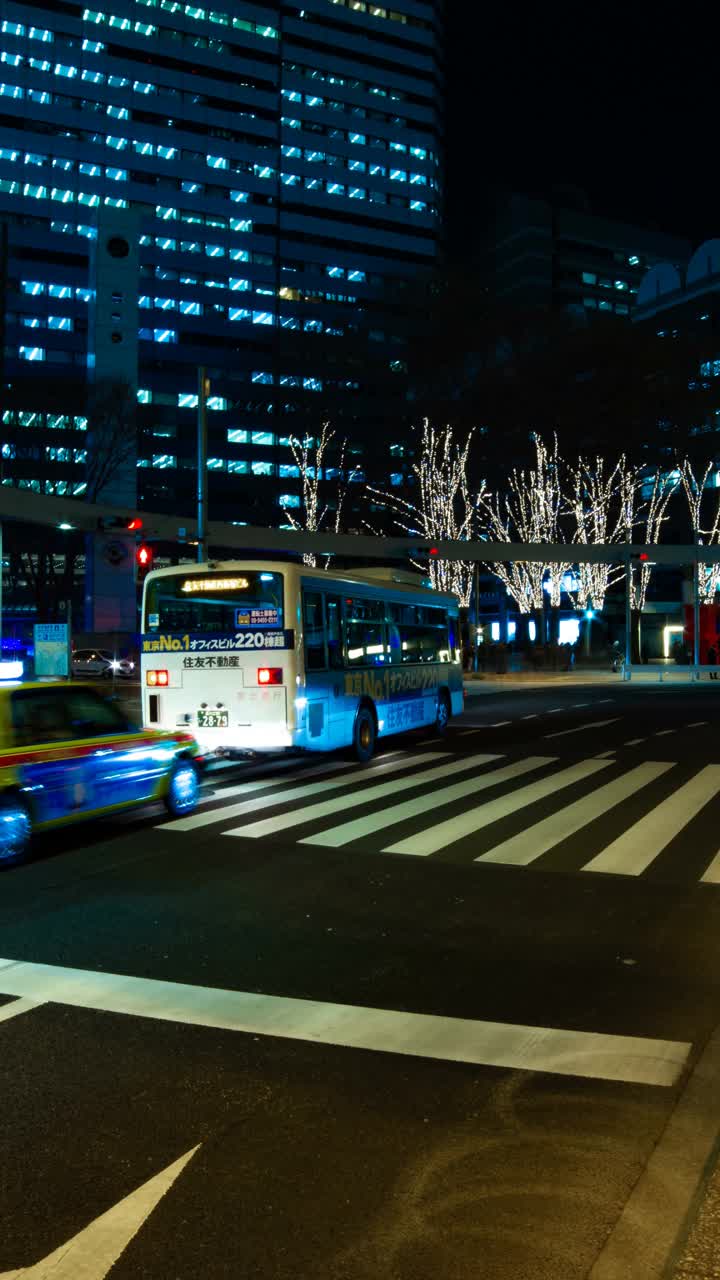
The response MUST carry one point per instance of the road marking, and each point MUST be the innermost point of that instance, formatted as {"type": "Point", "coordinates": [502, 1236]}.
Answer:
{"type": "Point", "coordinates": [268, 826]}
{"type": "Point", "coordinates": [472, 820]}
{"type": "Point", "coordinates": [532, 717]}
{"type": "Point", "coordinates": [575, 705]}
{"type": "Point", "coordinates": [697, 724]}
{"type": "Point", "coordinates": [334, 837]}
{"type": "Point", "coordinates": [554, 710]}
{"type": "Point", "coordinates": [711, 876]}
{"type": "Point", "coordinates": [12, 1010]}
{"type": "Point", "coordinates": [593, 1055]}
{"type": "Point", "coordinates": [634, 742]}
{"type": "Point", "coordinates": [594, 724]}
{"type": "Point", "coordinates": [93, 1252]}
{"type": "Point", "coordinates": [598, 701]}
{"type": "Point", "coordinates": [637, 847]}
{"type": "Point", "coordinates": [353, 774]}
{"type": "Point", "coordinates": [604, 755]}
{"type": "Point", "coordinates": [499, 724]}
{"type": "Point", "coordinates": [527, 845]}
{"type": "Point", "coordinates": [263, 784]}
{"type": "Point", "coordinates": [464, 732]}
{"type": "Point", "coordinates": [662, 733]}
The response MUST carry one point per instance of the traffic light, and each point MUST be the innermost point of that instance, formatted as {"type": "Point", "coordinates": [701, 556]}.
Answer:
{"type": "Point", "coordinates": [143, 560]}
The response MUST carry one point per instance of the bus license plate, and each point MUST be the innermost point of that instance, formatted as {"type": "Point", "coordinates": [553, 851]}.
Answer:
{"type": "Point", "coordinates": [213, 719]}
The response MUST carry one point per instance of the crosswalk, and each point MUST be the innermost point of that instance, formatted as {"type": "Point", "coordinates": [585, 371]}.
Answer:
{"type": "Point", "coordinates": [656, 818]}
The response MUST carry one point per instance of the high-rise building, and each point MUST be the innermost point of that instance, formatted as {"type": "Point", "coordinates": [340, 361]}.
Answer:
{"type": "Point", "coordinates": [267, 180]}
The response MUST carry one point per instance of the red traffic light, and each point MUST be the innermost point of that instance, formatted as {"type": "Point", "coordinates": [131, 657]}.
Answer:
{"type": "Point", "coordinates": [643, 556]}
{"type": "Point", "coordinates": [144, 556]}
{"type": "Point", "coordinates": [134, 525]}
{"type": "Point", "coordinates": [433, 551]}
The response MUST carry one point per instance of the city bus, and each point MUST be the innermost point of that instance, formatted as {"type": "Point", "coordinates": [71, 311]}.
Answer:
{"type": "Point", "coordinates": [256, 656]}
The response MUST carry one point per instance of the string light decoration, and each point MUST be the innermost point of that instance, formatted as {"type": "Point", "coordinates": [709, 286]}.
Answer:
{"type": "Point", "coordinates": [530, 510]}
{"type": "Point", "coordinates": [695, 489]}
{"type": "Point", "coordinates": [656, 491]}
{"type": "Point", "coordinates": [444, 509]}
{"type": "Point", "coordinates": [309, 455]}
{"type": "Point", "coordinates": [598, 502]}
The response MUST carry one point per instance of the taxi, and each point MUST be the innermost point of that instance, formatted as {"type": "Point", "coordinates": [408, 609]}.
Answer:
{"type": "Point", "coordinates": [68, 754]}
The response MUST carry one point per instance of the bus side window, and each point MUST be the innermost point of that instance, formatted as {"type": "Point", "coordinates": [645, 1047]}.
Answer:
{"type": "Point", "coordinates": [314, 631]}
{"type": "Point", "coordinates": [333, 617]}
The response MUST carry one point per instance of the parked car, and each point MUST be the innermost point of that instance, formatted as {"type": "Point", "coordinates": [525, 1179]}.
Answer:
{"type": "Point", "coordinates": [100, 663]}
{"type": "Point", "coordinates": [67, 753]}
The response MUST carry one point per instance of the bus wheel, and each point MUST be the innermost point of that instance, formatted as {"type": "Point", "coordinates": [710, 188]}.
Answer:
{"type": "Point", "coordinates": [442, 716]}
{"type": "Point", "coordinates": [183, 788]}
{"type": "Point", "coordinates": [364, 735]}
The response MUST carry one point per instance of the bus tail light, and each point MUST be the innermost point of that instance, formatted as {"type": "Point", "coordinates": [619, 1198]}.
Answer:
{"type": "Point", "coordinates": [155, 678]}
{"type": "Point", "coordinates": [269, 675]}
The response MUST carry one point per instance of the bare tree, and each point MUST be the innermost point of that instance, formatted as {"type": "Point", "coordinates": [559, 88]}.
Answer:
{"type": "Point", "coordinates": [111, 436]}
{"type": "Point", "coordinates": [444, 510]}
{"type": "Point", "coordinates": [316, 507]}
{"type": "Point", "coordinates": [531, 510]}
{"type": "Point", "coordinates": [704, 509]}
{"type": "Point", "coordinates": [597, 501]}
{"type": "Point", "coordinates": [648, 518]}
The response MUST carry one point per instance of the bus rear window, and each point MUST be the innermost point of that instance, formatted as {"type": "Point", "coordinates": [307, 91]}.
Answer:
{"type": "Point", "coordinates": [225, 601]}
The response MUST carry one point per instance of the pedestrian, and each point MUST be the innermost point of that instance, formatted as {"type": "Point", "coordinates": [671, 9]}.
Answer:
{"type": "Point", "coordinates": [712, 658]}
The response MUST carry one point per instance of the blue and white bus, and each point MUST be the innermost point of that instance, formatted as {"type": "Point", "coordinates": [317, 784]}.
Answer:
{"type": "Point", "coordinates": [258, 656]}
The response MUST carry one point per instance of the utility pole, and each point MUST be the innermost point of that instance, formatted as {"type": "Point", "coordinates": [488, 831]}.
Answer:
{"type": "Point", "coordinates": [203, 388]}
{"type": "Point", "coordinates": [628, 615]}
{"type": "Point", "coordinates": [696, 611]}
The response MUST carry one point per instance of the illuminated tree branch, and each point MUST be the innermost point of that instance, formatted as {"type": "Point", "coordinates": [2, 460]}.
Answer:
{"type": "Point", "coordinates": [313, 513]}
{"type": "Point", "coordinates": [695, 490]}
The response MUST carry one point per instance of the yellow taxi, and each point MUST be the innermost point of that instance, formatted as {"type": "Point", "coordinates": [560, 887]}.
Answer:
{"type": "Point", "coordinates": [67, 754]}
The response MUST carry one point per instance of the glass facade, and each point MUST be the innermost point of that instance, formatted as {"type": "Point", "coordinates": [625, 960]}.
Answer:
{"type": "Point", "coordinates": [285, 162]}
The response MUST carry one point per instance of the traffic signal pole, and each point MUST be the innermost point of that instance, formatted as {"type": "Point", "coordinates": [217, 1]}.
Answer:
{"type": "Point", "coordinates": [203, 387]}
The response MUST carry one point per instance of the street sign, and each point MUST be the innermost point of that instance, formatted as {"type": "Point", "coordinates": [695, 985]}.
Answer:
{"type": "Point", "coordinates": [52, 649]}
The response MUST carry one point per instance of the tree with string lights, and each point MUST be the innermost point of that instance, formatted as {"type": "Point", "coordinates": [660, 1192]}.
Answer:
{"type": "Point", "coordinates": [704, 510]}
{"type": "Point", "coordinates": [316, 512]}
{"type": "Point", "coordinates": [444, 509]}
{"type": "Point", "coordinates": [530, 510]}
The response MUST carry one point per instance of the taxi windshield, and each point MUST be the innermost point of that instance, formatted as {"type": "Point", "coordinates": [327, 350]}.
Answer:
{"type": "Point", "coordinates": [222, 601]}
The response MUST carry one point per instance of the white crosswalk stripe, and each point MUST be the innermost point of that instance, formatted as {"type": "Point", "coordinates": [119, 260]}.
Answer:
{"type": "Point", "coordinates": [353, 774]}
{"type": "Point", "coordinates": [533, 842]}
{"type": "Point", "coordinates": [465, 824]}
{"type": "Point", "coordinates": [269, 826]}
{"type": "Point", "coordinates": [435, 781]}
{"type": "Point", "coordinates": [334, 837]}
{"type": "Point", "coordinates": [637, 847]}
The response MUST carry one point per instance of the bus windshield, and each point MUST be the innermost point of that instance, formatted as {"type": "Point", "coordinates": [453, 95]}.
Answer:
{"type": "Point", "coordinates": [223, 601]}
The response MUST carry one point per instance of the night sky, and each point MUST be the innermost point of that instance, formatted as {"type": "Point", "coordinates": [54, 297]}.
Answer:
{"type": "Point", "coordinates": [616, 106]}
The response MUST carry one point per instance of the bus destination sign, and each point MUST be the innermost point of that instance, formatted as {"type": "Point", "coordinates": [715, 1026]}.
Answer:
{"type": "Point", "coordinates": [209, 644]}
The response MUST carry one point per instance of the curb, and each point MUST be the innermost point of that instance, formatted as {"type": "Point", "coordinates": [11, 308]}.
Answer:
{"type": "Point", "coordinates": [661, 1209]}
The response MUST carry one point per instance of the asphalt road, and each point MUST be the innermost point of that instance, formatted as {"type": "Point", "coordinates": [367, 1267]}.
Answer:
{"type": "Point", "coordinates": [447, 1017]}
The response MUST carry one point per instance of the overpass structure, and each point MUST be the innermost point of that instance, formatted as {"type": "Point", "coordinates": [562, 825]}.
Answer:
{"type": "Point", "coordinates": [25, 507]}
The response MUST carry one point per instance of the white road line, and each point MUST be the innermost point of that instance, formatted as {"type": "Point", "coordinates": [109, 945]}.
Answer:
{"type": "Point", "coordinates": [662, 733]}
{"type": "Point", "coordinates": [308, 812]}
{"type": "Point", "coordinates": [634, 742]}
{"type": "Point", "coordinates": [632, 1059]}
{"type": "Point", "coordinates": [581, 728]}
{"type": "Point", "coordinates": [575, 705]}
{"type": "Point", "coordinates": [464, 732]}
{"type": "Point", "coordinates": [600, 700]}
{"type": "Point", "coordinates": [263, 784]}
{"type": "Point", "coordinates": [527, 845]}
{"type": "Point", "coordinates": [711, 876]}
{"type": "Point", "coordinates": [334, 837]}
{"type": "Point", "coordinates": [601, 755]}
{"type": "Point", "coordinates": [637, 847]}
{"type": "Point", "coordinates": [11, 1010]}
{"type": "Point", "coordinates": [532, 717]}
{"type": "Point", "coordinates": [554, 711]}
{"type": "Point", "coordinates": [354, 774]}
{"type": "Point", "coordinates": [472, 820]}
{"type": "Point", "coordinates": [499, 724]}
{"type": "Point", "coordinates": [697, 724]}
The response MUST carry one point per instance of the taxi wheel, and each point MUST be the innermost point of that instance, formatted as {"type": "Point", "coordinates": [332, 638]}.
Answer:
{"type": "Point", "coordinates": [15, 830]}
{"type": "Point", "coordinates": [183, 788]}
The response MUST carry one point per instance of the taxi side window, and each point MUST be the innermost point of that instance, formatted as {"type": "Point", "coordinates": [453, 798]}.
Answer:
{"type": "Point", "coordinates": [39, 716]}
{"type": "Point", "coordinates": [92, 716]}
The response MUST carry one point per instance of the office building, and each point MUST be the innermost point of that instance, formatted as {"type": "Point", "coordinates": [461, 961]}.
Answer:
{"type": "Point", "coordinates": [268, 180]}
